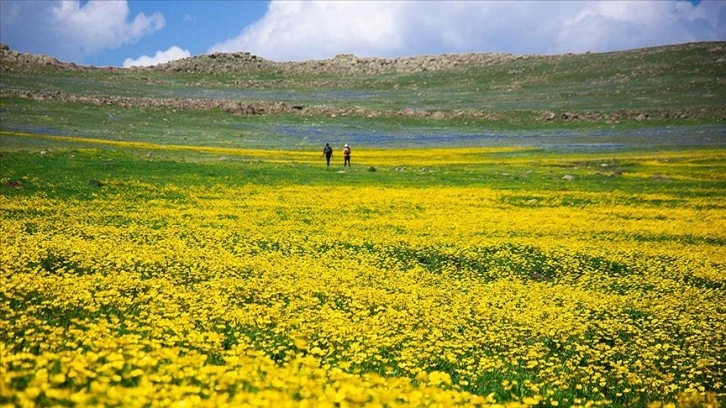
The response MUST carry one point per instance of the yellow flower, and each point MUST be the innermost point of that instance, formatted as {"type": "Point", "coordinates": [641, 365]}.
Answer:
{"type": "Point", "coordinates": [439, 377]}
{"type": "Point", "coordinates": [58, 378]}
{"type": "Point", "coordinates": [530, 401]}
{"type": "Point", "coordinates": [32, 392]}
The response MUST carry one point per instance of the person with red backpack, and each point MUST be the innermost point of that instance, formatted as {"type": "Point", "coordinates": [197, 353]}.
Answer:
{"type": "Point", "coordinates": [346, 156]}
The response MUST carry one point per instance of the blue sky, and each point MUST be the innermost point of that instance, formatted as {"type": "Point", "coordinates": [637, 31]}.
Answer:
{"type": "Point", "coordinates": [144, 32]}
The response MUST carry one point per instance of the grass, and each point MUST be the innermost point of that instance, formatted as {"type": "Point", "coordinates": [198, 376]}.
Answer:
{"type": "Point", "coordinates": [70, 164]}
{"type": "Point", "coordinates": [291, 131]}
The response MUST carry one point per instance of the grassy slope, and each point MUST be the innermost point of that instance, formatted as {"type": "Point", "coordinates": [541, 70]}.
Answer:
{"type": "Point", "coordinates": [681, 77]}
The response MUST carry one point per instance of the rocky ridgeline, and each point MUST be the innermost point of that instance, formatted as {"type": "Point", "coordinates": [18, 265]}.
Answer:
{"type": "Point", "coordinates": [13, 61]}
{"type": "Point", "coordinates": [352, 65]}
{"type": "Point", "coordinates": [216, 63]}
{"type": "Point", "coordinates": [212, 63]}
{"type": "Point", "coordinates": [341, 64]}
{"type": "Point", "coordinates": [344, 64]}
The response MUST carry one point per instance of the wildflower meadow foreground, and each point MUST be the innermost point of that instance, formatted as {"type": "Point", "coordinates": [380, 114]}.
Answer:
{"type": "Point", "coordinates": [439, 277]}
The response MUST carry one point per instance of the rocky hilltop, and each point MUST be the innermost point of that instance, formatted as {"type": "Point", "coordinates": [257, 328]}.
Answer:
{"type": "Point", "coordinates": [12, 61]}
{"type": "Point", "coordinates": [245, 62]}
{"type": "Point", "coordinates": [344, 63]}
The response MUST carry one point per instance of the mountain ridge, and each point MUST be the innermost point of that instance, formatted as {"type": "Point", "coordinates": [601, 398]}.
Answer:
{"type": "Point", "coordinates": [219, 62]}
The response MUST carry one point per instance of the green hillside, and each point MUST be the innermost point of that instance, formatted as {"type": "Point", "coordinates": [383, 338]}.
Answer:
{"type": "Point", "coordinates": [245, 101]}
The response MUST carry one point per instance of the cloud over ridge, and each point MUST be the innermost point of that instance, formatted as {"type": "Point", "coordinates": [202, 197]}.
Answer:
{"type": "Point", "coordinates": [316, 29]}
{"type": "Point", "coordinates": [160, 57]}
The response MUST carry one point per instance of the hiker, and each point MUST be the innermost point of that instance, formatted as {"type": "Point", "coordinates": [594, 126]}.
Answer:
{"type": "Point", "coordinates": [328, 153]}
{"type": "Point", "coordinates": [346, 156]}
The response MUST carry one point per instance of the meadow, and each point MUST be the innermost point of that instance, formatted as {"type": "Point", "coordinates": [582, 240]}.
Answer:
{"type": "Point", "coordinates": [533, 231]}
{"type": "Point", "coordinates": [142, 274]}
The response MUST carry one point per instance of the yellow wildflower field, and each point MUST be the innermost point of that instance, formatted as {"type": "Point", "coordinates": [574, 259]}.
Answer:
{"type": "Point", "coordinates": [310, 294]}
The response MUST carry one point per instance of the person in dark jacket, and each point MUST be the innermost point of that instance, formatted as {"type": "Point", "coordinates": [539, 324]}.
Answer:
{"type": "Point", "coordinates": [328, 153]}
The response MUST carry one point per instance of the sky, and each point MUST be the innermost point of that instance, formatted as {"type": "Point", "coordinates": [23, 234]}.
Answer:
{"type": "Point", "coordinates": [146, 32]}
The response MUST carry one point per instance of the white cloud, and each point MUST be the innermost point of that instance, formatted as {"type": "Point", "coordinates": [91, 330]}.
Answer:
{"type": "Point", "coordinates": [603, 26]}
{"type": "Point", "coordinates": [160, 57]}
{"type": "Point", "coordinates": [70, 30]}
{"type": "Point", "coordinates": [315, 29]}
{"type": "Point", "coordinates": [99, 25]}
